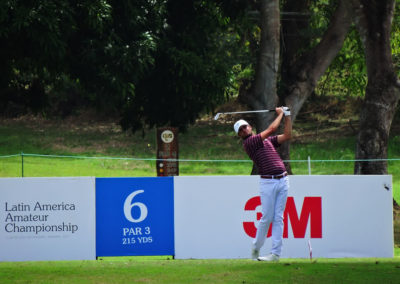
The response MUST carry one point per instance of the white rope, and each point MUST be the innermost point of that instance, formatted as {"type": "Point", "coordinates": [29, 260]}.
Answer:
{"type": "Point", "coordinates": [190, 160]}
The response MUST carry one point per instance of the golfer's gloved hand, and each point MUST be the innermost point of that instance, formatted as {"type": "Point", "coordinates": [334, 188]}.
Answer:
{"type": "Point", "coordinates": [286, 111]}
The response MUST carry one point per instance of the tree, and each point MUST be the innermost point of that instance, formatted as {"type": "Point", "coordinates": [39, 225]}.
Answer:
{"type": "Point", "coordinates": [301, 70]}
{"type": "Point", "coordinates": [192, 66]}
{"type": "Point", "coordinates": [262, 94]}
{"type": "Point", "coordinates": [374, 20]}
{"type": "Point", "coordinates": [305, 72]}
{"type": "Point", "coordinates": [33, 36]}
{"type": "Point", "coordinates": [97, 50]}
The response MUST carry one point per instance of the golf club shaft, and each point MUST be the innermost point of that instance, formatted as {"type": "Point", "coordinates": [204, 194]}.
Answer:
{"type": "Point", "coordinates": [249, 111]}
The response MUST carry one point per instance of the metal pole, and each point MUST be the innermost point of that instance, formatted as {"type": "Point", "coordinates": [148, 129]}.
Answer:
{"type": "Point", "coordinates": [22, 164]}
{"type": "Point", "coordinates": [309, 165]}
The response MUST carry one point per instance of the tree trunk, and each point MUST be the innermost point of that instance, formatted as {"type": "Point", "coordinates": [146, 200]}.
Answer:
{"type": "Point", "coordinates": [301, 77]}
{"type": "Point", "coordinates": [262, 94]}
{"type": "Point", "coordinates": [263, 91]}
{"type": "Point", "coordinates": [374, 19]}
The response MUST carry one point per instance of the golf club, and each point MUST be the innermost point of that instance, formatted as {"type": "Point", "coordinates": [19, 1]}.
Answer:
{"type": "Point", "coordinates": [235, 112]}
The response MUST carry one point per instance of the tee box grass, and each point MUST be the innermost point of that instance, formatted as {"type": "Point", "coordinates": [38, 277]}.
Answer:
{"type": "Point", "coordinates": [166, 270]}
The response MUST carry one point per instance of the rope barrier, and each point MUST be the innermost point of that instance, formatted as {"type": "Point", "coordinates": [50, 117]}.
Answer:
{"type": "Point", "coordinates": [189, 160]}
{"type": "Point", "coordinates": [309, 161]}
{"type": "Point", "coordinates": [10, 156]}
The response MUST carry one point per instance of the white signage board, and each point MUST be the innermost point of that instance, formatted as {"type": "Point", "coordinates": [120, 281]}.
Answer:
{"type": "Point", "coordinates": [338, 216]}
{"type": "Point", "coordinates": [47, 219]}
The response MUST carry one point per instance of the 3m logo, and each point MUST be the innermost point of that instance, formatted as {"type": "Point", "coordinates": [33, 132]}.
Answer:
{"type": "Point", "coordinates": [311, 213]}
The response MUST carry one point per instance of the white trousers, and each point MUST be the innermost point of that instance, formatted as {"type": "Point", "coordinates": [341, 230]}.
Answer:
{"type": "Point", "coordinates": [273, 194]}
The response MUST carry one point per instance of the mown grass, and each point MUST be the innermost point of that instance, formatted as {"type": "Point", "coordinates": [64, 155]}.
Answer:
{"type": "Point", "coordinates": [161, 270]}
{"type": "Point", "coordinates": [207, 140]}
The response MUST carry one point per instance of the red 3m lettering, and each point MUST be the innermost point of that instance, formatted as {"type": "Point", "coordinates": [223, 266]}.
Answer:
{"type": "Point", "coordinates": [311, 211]}
{"type": "Point", "coordinates": [251, 205]}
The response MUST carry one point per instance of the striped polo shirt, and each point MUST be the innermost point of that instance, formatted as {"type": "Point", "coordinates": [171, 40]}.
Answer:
{"type": "Point", "coordinates": [264, 154]}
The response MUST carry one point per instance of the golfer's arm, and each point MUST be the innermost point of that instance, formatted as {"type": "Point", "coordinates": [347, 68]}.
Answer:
{"type": "Point", "coordinates": [287, 132]}
{"type": "Point", "coordinates": [272, 127]}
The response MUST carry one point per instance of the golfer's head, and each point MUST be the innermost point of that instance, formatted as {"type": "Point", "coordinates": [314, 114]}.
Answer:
{"type": "Point", "coordinates": [242, 128]}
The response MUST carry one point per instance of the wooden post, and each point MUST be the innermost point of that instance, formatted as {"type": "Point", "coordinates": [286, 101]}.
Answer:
{"type": "Point", "coordinates": [167, 152]}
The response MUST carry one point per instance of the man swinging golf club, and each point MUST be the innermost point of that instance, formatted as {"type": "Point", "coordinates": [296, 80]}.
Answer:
{"type": "Point", "coordinates": [274, 182]}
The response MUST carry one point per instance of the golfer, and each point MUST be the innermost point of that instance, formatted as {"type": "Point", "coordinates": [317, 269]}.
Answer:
{"type": "Point", "coordinates": [274, 182]}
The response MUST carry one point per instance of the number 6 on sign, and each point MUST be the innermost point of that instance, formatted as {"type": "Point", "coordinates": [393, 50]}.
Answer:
{"type": "Point", "coordinates": [128, 205]}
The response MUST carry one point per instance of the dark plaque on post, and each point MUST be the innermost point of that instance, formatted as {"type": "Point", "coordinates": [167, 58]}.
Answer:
{"type": "Point", "coordinates": [167, 152]}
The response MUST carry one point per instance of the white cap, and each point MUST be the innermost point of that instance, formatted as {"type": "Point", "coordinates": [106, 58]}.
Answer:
{"type": "Point", "coordinates": [238, 124]}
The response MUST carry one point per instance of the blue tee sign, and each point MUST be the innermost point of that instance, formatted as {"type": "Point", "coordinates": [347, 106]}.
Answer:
{"type": "Point", "coordinates": [134, 216]}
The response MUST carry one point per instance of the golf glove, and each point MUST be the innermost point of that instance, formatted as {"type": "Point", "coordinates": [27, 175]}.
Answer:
{"type": "Point", "coordinates": [286, 111]}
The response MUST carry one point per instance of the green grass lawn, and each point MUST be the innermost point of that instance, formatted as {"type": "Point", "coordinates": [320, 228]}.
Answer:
{"type": "Point", "coordinates": [163, 270]}
{"type": "Point", "coordinates": [205, 141]}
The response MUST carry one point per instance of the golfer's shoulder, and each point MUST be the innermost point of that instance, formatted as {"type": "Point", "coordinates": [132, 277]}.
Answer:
{"type": "Point", "coordinates": [252, 140]}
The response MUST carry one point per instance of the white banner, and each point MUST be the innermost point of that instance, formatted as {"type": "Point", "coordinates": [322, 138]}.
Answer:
{"type": "Point", "coordinates": [47, 219]}
{"type": "Point", "coordinates": [338, 216]}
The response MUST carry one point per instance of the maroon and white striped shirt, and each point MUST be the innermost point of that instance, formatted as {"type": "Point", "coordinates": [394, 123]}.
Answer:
{"type": "Point", "coordinates": [264, 154]}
